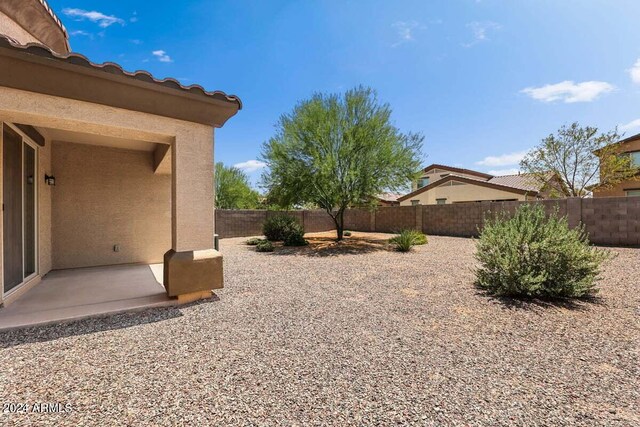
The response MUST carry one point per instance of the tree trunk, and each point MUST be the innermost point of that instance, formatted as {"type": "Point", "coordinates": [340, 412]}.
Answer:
{"type": "Point", "coordinates": [339, 220]}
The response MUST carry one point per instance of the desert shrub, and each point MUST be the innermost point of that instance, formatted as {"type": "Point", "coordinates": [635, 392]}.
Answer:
{"type": "Point", "coordinates": [254, 241]}
{"type": "Point", "coordinates": [534, 255]}
{"type": "Point", "coordinates": [277, 227]}
{"type": "Point", "coordinates": [264, 246]}
{"type": "Point", "coordinates": [346, 233]}
{"type": "Point", "coordinates": [295, 236]}
{"type": "Point", "coordinates": [419, 238]}
{"type": "Point", "coordinates": [407, 239]}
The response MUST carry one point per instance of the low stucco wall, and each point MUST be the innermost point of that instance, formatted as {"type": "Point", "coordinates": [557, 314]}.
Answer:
{"type": "Point", "coordinates": [105, 197]}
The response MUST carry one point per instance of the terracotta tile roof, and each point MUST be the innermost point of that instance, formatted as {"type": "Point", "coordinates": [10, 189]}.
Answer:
{"type": "Point", "coordinates": [389, 197]}
{"type": "Point", "coordinates": [77, 59]}
{"type": "Point", "coordinates": [54, 17]}
{"type": "Point", "coordinates": [458, 170]}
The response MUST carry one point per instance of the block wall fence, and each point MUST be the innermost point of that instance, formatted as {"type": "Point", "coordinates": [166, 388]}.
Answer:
{"type": "Point", "coordinates": [609, 221]}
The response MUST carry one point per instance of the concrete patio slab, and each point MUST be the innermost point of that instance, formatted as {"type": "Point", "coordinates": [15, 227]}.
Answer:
{"type": "Point", "coordinates": [68, 295]}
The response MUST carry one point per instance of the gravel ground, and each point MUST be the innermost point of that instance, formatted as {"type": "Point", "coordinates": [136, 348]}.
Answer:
{"type": "Point", "coordinates": [376, 338]}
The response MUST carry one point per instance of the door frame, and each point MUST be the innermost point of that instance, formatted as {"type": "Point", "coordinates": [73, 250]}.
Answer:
{"type": "Point", "coordinates": [25, 140]}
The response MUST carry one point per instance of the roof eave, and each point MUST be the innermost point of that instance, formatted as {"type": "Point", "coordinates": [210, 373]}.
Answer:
{"type": "Point", "coordinates": [30, 61]}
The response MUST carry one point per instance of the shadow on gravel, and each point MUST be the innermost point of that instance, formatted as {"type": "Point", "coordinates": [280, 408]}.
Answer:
{"type": "Point", "coordinates": [36, 334]}
{"type": "Point", "coordinates": [328, 247]}
{"type": "Point", "coordinates": [536, 304]}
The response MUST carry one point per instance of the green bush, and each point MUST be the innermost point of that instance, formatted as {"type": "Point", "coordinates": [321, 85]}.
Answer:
{"type": "Point", "coordinates": [346, 233]}
{"type": "Point", "coordinates": [278, 227]}
{"type": "Point", "coordinates": [532, 255]}
{"type": "Point", "coordinates": [295, 236]}
{"type": "Point", "coordinates": [264, 246]}
{"type": "Point", "coordinates": [254, 241]}
{"type": "Point", "coordinates": [407, 239]}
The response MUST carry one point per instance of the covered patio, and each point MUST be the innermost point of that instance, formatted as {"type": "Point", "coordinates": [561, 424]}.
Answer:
{"type": "Point", "coordinates": [74, 294]}
{"type": "Point", "coordinates": [107, 183]}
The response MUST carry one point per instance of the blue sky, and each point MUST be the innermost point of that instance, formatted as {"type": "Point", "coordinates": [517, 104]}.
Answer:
{"type": "Point", "coordinates": [483, 80]}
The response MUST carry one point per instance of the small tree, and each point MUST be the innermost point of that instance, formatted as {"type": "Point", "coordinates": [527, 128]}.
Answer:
{"type": "Point", "coordinates": [582, 158]}
{"type": "Point", "coordinates": [337, 151]}
{"type": "Point", "coordinates": [233, 190]}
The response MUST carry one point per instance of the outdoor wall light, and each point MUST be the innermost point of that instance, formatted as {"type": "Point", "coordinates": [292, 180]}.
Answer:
{"type": "Point", "coordinates": [50, 179]}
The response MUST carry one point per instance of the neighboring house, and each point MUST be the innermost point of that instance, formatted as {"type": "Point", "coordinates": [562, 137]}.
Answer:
{"type": "Point", "coordinates": [389, 199]}
{"type": "Point", "coordinates": [440, 184]}
{"type": "Point", "coordinates": [101, 166]}
{"type": "Point", "coordinates": [631, 147]}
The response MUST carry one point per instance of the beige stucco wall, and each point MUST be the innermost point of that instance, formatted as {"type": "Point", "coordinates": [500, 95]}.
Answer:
{"type": "Point", "coordinates": [104, 197]}
{"type": "Point", "coordinates": [620, 189]}
{"type": "Point", "coordinates": [10, 28]}
{"type": "Point", "coordinates": [44, 209]}
{"type": "Point", "coordinates": [461, 193]}
{"type": "Point", "coordinates": [192, 150]}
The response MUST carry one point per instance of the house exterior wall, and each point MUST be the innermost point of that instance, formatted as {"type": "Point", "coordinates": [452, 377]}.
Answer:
{"type": "Point", "coordinates": [461, 192]}
{"type": "Point", "coordinates": [620, 189]}
{"type": "Point", "coordinates": [104, 197]}
{"type": "Point", "coordinates": [192, 267]}
{"type": "Point", "coordinates": [44, 209]}
{"type": "Point", "coordinates": [43, 215]}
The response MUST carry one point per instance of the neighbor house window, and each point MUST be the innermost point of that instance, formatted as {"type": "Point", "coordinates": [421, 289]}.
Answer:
{"type": "Point", "coordinates": [423, 182]}
{"type": "Point", "coordinates": [415, 202]}
{"type": "Point", "coordinates": [633, 193]}
{"type": "Point", "coordinates": [441, 201]}
{"type": "Point", "coordinates": [635, 158]}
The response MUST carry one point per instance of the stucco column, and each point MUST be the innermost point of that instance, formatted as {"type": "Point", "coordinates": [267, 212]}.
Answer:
{"type": "Point", "coordinates": [192, 189]}
{"type": "Point", "coordinates": [192, 267]}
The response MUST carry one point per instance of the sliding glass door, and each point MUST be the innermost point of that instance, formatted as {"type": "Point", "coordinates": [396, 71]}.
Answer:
{"type": "Point", "coordinates": [19, 195]}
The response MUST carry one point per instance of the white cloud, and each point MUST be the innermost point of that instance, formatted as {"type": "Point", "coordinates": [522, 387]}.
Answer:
{"type": "Point", "coordinates": [501, 172]}
{"type": "Point", "coordinates": [633, 124]}
{"type": "Point", "coordinates": [162, 56]}
{"type": "Point", "coordinates": [99, 18]}
{"type": "Point", "coordinates": [634, 72]}
{"type": "Point", "coordinates": [80, 33]}
{"type": "Point", "coordinates": [405, 30]}
{"type": "Point", "coordinates": [569, 91]}
{"type": "Point", "coordinates": [250, 165]}
{"type": "Point", "coordinates": [502, 160]}
{"type": "Point", "coordinates": [480, 31]}
{"type": "Point", "coordinates": [134, 18]}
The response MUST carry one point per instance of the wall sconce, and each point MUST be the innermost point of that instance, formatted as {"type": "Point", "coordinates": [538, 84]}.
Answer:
{"type": "Point", "coordinates": [49, 179]}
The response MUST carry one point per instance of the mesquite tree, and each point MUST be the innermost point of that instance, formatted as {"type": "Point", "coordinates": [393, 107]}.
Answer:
{"type": "Point", "coordinates": [338, 151]}
{"type": "Point", "coordinates": [583, 158]}
{"type": "Point", "coordinates": [233, 190]}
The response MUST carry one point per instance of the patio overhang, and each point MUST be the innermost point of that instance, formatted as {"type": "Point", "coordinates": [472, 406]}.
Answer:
{"type": "Point", "coordinates": [73, 76]}
{"type": "Point", "coordinates": [152, 127]}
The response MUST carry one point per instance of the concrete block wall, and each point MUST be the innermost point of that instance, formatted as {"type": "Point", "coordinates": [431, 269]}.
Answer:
{"type": "Point", "coordinates": [239, 223]}
{"type": "Point", "coordinates": [244, 223]}
{"type": "Point", "coordinates": [359, 220]}
{"type": "Point", "coordinates": [608, 221]}
{"type": "Point", "coordinates": [317, 220]}
{"type": "Point", "coordinates": [396, 218]}
{"type": "Point", "coordinates": [612, 220]}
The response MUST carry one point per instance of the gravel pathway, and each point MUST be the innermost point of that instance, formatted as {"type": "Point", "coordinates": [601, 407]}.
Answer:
{"type": "Point", "coordinates": [380, 338]}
